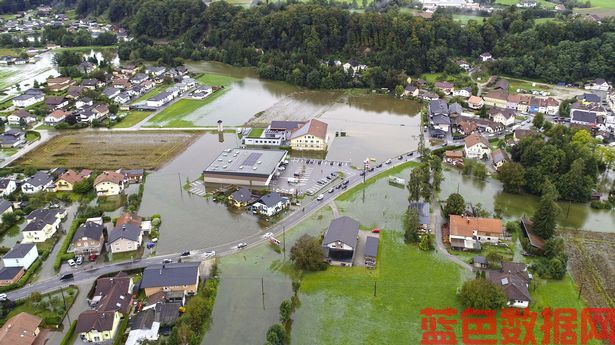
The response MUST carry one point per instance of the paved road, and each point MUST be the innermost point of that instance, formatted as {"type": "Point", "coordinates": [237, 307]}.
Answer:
{"type": "Point", "coordinates": [84, 275]}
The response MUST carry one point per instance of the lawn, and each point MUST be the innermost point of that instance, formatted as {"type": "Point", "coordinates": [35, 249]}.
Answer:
{"type": "Point", "coordinates": [109, 150]}
{"type": "Point", "coordinates": [151, 93]}
{"type": "Point", "coordinates": [32, 136]}
{"type": "Point", "coordinates": [215, 79]}
{"type": "Point", "coordinates": [9, 151]}
{"type": "Point", "coordinates": [351, 193]}
{"type": "Point", "coordinates": [50, 308]}
{"type": "Point", "coordinates": [178, 110]}
{"type": "Point", "coordinates": [431, 77]}
{"type": "Point", "coordinates": [256, 132]}
{"type": "Point", "coordinates": [405, 282]}
{"type": "Point", "coordinates": [131, 119]}
{"type": "Point", "coordinates": [9, 52]}
{"type": "Point", "coordinates": [525, 85]}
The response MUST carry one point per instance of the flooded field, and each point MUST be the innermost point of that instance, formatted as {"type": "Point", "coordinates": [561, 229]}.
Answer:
{"type": "Point", "coordinates": [376, 125]}
{"type": "Point", "coordinates": [489, 194]}
{"type": "Point", "coordinates": [108, 150]}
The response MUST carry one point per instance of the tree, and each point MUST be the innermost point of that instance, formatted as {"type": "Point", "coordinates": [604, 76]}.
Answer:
{"type": "Point", "coordinates": [483, 112]}
{"type": "Point", "coordinates": [436, 168]}
{"type": "Point", "coordinates": [83, 187]}
{"type": "Point", "coordinates": [9, 219]}
{"type": "Point", "coordinates": [36, 297]}
{"type": "Point", "coordinates": [482, 294]}
{"type": "Point", "coordinates": [455, 204]}
{"type": "Point", "coordinates": [307, 253]}
{"type": "Point", "coordinates": [545, 216]}
{"type": "Point", "coordinates": [399, 90]}
{"type": "Point", "coordinates": [512, 176]}
{"type": "Point", "coordinates": [426, 243]}
{"type": "Point", "coordinates": [414, 186]}
{"type": "Point", "coordinates": [575, 185]}
{"type": "Point", "coordinates": [539, 120]}
{"type": "Point", "coordinates": [285, 311]}
{"type": "Point", "coordinates": [411, 235]}
{"type": "Point", "coordinates": [276, 335]}
{"type": "Point", "coordinates": [494, 259]}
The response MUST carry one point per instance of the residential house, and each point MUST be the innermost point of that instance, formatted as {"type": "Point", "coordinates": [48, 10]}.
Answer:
{"type": "Point", "coordinates": [67, 181]}
{"type": "Point", "coordinates": [92, 83]}
{"type": "Point", "coordinates": [475, 102]}
{"type": "Point", "coordinates": [588, 98]}
{"type": "Point", "coordinates": [488, 126]}
{"type": "Point", "coordinates": [504, 116]}
{"type": "Point", "coordinates": [7, 186]}
{"type": "Point", "coordinates": [11, 275]}
{"type": "Point", "coordinates": [502, 84]}
{"type": "Point", "coordinates": [111, 92]}
{"type": "Point", "coordinates": [312, 136]}
{"type": "Point", "coordinates": [97, 326]}
{"type": "Point", "coordinates": [21, 255]}
{"type": "Point", "coordinates": [454, 157]}
{"type": "Point", "coordinates": [552, 106]}
{"type": "Point", "coordinates": [109, 183]}
{"type": "Point", "coordinates": [512, 102]}
{"type": "Point", "coordinates": [56, 116]}
{"type": "Point", "coordinates": [155, 71]}
{"type": "Point", "coordinates": [160, 99]}
{"type": "Point", "coordinates": [519, 134]}
{"type": "Point", "coordinates": [498, 158]}
{"type": "Point", "coordinates": [22, 329]}
{"type": "Point", "coordinates": [535, 105]}
{"type": "Point", "coordinates": [469, 232]}
{"type": "Point", "coordinates": [59, 84]}
{"type": "Point", "coordinates": [113, 293]}
{"type": "Point", "coordinates": [455, 110]}
{"type": "Point", "coordinates": [463, 92]}
{"type": "Point", "coordinates": [424, 214]}
{"type": "Point", "coordinates": [476, 146]}
{"type": "Point", "coordinates": [139, 78]}
{"type": "Point", "coordinates": [241, 198]}
{"type": "Point", "coordinates": [125, 238]}
{"type": "Point", "coordinates": [497, 98]}
{"type": "Point", "coordinates": [271, 204]}
{"type": "Point", "coordinates": [354, 67]}
{"type": "Point", "coordinates": [121, 83]}
{"type": "Point", "coordinates": [480, 262]}
{"type": "Point", "coordinates": [129, 69]}
{"type": "Point", "coordinates": [202, 92]}
{"type": "Point", "coordinates": [598, 85]}
{"type": "Point", "coordinates": [84, 102]}
{"type": "Point", "coordinates": [101, 111]}
{"type": "Point", "coordinates": [428, 96]}
{"type": "Point", "coordinates": [42, 224]}
{"type": "Point", "coordinates": [56, 102]}
{"type": "Point", "coordinates": [87, 67]}
{"type": "Point", "coordinates": [40, 181]}
{"type": "Point", "coordinates": [128, 218]}
{"type": "Point", "coordinates": [514, 279]}
{"type": "Point", "coordinates": [582, 117]}
{"type": "Point", "coordinates": [88, 239]}
{"type": "Point", "coordinates": [12, 138]}
{"type": "Point", "coordinates": [411, 90]}
{"type": "Point", "coordinates": [340, 241]}
{"type": "Point", "coordinates": [183, 277]}
{"type": "Point", "coordinates": [464, 65]}
{"type": "Point", "coordinates": [132, 175]}
{"type": "Point", "coordinates": [122, 98]}
{"type": "Point", "coordinates": [445, 87]}
{"type": "Point", "coordinates": [465, 125]}
{"type": "Point", "coordinates": [437, 107]}
{"type": "Point", "coordinates": [486, 57]}
{"type": "Point", "coordinates": [20, 116]}
{"type": "Point", "coordinates": [523, 104]}
{"type": "Point", "coordinates": [441, 122]}
{"type": "Point", "coordinates": [28, 99]}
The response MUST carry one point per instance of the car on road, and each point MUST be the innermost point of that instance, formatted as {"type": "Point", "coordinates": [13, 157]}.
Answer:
{"type": "Point", "coordinates": [410, 154]}
{"type": "Point", "coordinates": [388, 161]}
{"type": "Point", "coordinates": [3, 297]}
{"type": "Point", "coordinates": [371, 169]}
{"type": "Point", "coordinates": [67, 276]}
{"type": "Point", "coordinates": [185, 254]}
{"type": "Point", "coordinates": [320, 197]}
{"type": "Point", "coordinates": [331, 190]}
{"type": "Point", "coordinates": [362, 173]}
{"type": "Point", "coordinates": [338, 186]}
{"type": "Point", "coordinates": [345, 182]}
{"type": "Point", "coordinates": [210, 253]}
{"type": "Point", "coordinates": [167, 261]}
{"type": "Point", "coordinates": [328, 178]}
{"type": "Point", "coordinates": [400, 157]}
{"type": "Point", "coordinates": [267, 235]}
{"type": "Point", "coordinates": [71, 262]}
{"type": "Point", "coordinates": [281, 168]}
{"type": "Point", "coordinates": [309, 192]}
{"type": "Point", "coordinates": [375, 231]}
{"type": "Point", "coordinates": [242, 245]}
{"type": "Point", "coordinates": [79, 260]}
{"type": "Point", "coordinates": [379, 165]}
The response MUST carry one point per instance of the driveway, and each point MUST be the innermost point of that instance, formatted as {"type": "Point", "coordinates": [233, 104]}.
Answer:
{"type": "Point", "coordinates": [436, 224]}
{"type": "Point", "coordinates": [47, 270]}
{"type": "Point", "coordinates": [359, 255]}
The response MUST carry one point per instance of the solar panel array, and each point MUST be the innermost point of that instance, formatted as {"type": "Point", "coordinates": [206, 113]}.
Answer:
{"type": "Point", "coordinates": [252, 159]}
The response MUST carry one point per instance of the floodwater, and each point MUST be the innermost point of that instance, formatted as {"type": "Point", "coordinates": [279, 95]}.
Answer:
{"type": "Point", "coordinates": [489, 194]}
{"type": "Point", "coordinates": [376, 125]}
{"type": "Point", "coordinates": [192, 222]}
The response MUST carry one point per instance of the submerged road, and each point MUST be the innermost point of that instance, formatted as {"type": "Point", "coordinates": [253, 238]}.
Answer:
{"type": "Point", "coordinates": [85, 275]}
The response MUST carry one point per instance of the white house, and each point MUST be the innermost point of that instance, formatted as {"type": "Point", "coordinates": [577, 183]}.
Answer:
{"type": "Point", "coordinates": [271, 204]}
{"type": "Point", "coordinates": [109, 183]}
{"type": "Point", "coordinates": [160, 99]}
{"type": "Point", "coordinates": [42, 224]}
{"type": "Point", "coordinates": [598, 85]}
{"type": "Point", "coordinates": [7, 186]}
{"type": "Point", "coordinates": [15, 118]}
{"type": "Point", "coordinates": [56, 117]}
{"type": "Point", "coordinates": [5, 207]}
{"type": "Point", "coordinates": [476, 146]}
{"type": "Point", "coordinates": [464, 92]}
{"type": "Point", "coordinates": [309, 137]}
{"type": "Point", "coordinates": [26, 100]}
{"type": "Point", "coordinates": [38, 182]}
{"type": "Point", "coordinates": [21, 255]}
{"type": "Point", "coordinates": [486, 57]}
{"type": "Point", "coordinates": [503, 116]}
{"type": "Point", "coordinates": [469, 232]}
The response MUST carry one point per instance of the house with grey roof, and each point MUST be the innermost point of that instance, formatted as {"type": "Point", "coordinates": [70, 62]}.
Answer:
{"type": "Point", "coordinates": [241, 197]}
{"type": "Point", "coordinates": [455, 109]}
{"type": "Point", "coordinates": [12, 138]}
{"type": "Point", "coordinates": [5, 207]}
{"type": "Point", "coordinates": [88, 239]}
{"type": "Point", "coordinates": [371, 251]}
{"type": "Point", "coordinates": [7, 186]}
{"type": "Point", "coordinates": [38, 182]}
{"type": "Point", "coordinates": [182, 277]}
{"type": "Point", "coordinates": [340, 241]}
{"type": "Point", "coordinates": [42, 224]}
{"type": "Point", "coordinates": [437, 107]}
{"type": "Point", "coordinates": [271, 204]}
{"type": "Point", "coordinates": [582, 117]}
{"type": "Point", "coordinates": [514, 279]}
{"type": "Point", "coordinates": [21, 255]}
{"type": "Point", "coordinates": [125, 238]}
{"type": "Point", "coordinates": [424, 214]}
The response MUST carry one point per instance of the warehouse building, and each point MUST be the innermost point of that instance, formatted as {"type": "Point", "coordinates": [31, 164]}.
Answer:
{"type": "Point", "coordinates": [244, 167]}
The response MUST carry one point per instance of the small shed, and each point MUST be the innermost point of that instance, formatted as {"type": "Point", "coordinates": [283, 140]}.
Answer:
{"type": "Point", "coordinates": [479, 262]}
{"type": "Point", "coordinates": [371, 251]}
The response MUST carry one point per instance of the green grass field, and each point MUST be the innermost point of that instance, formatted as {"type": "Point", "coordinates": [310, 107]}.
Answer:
{"type": "Point", "coordinates": [215, 79]}
{"type": "Point", "coordinates": [515, 84]}
{"type": "Point", "coordinates": [50, 307]}
{"type": "Point", "coordinates": [543, 3]}
{"type": "Point", "coordinates": [132, 119]}
{"type": "Point", "coordinates": [465, 18]}
{"type": "Point", "coordinates": [172, 115]}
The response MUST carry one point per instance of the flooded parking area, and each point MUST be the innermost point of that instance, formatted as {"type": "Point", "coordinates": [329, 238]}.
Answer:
{"type": "Point", "coordinates": [311, 176]}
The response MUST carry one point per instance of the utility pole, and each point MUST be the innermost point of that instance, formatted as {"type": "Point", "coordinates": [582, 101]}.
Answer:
{"type": "Point", "coordinates": [181, 189]}
{"type": "Point", "coordinates": [581, 290]}
{"type": "Point", "coordinates": [284, 241]}
{"type": "Point", "coordinates": [374, 288]}
{"type": "Point", "coordinates": [263, 291]}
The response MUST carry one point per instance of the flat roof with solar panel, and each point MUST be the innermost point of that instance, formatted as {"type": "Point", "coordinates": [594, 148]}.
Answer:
{"type": "Point", "coordinates": [244, 167]}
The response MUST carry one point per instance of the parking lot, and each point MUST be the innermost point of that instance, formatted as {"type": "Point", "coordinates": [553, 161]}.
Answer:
{"type": "Point", "coordinates": [311, 176]}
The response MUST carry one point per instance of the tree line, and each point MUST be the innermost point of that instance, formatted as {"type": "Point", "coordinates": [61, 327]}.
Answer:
{"type": "Point", "coordinates": [297, 42]}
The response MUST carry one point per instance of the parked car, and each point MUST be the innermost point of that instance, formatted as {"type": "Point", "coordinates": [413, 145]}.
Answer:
{"type": "Point", "coordinates": [242, 245]}
{"type": "Point", "coordinates": [3, 297]}
{"type": "Point", "coordinates": [362, 173]}
{"type": "Point", "coordinates": [92, 258]}
{"type": "Point", "coordinates": [67, 276]}
{"type": "Point", "coordinates": [388, 161]}
{"type": "Point", "coordinates": [79, 260]}
{"type": "Point", "coordinates": [375, 231]}
{"type": "Point", "coordinates": [210, 253]}
{"type": "Point", "coordinates": [331, 190]}
{"type": "Point", "coordinates": [320, 197]}
{"type": "Point", "coordinates": [167, 261]}
{"type": "Point", "coordinates": [379, 165]}
{"type": "Point", "coordinates": [185, 254]}
{"type": "Point", "coordinates": [71, 262]}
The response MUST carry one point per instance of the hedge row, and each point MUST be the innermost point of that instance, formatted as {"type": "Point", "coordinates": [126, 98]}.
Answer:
{"type": "Point", "coordinates": [69, 334]}
{"type": "Point", "coordinates": [62, 255]}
